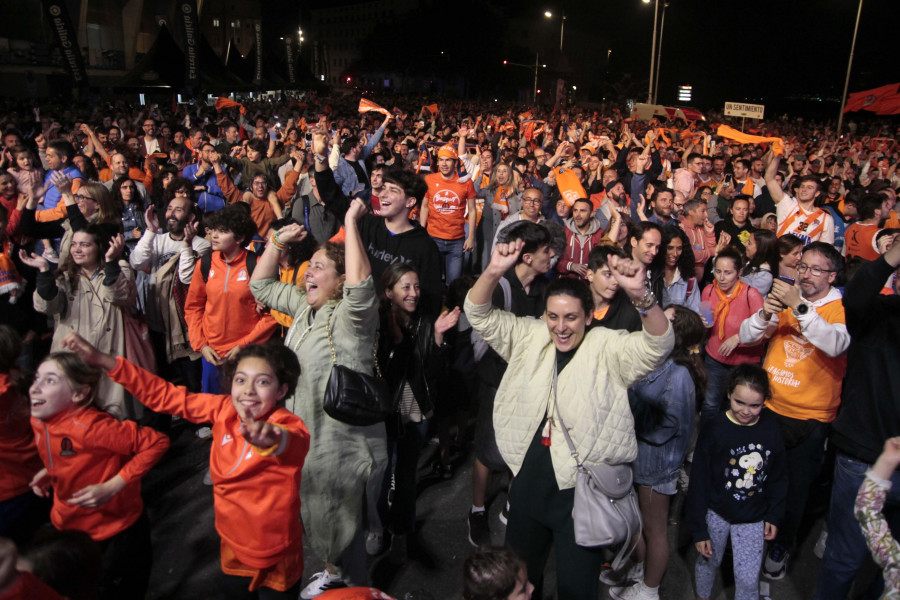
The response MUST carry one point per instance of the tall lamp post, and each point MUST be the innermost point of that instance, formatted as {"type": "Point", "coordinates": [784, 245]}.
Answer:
{"type": "Point", "coordinates": [652, 50]}
{"type": "Point", "coordinates": [662, 28]}
{"type": "Point", "coordinates": [537, 65]}
{"type": "Point", "coordinates": [849, 66]}
{"type": "Point", "coordinates": [562, 27]}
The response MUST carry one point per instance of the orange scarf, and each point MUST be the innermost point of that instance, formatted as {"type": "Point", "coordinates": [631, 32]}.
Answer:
{"type": "Point", "coordinates": [743, 138]}
{"type": "Point", "coordinates": [369, 106]}
{"type": "Point", "coordinates": [569, 185]}
{"type": "Point", "coordinates": [721, 311]}
{"type": "Point", "coordinates": [500, 198]}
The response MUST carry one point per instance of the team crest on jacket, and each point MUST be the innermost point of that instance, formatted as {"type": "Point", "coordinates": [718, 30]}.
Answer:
{"type": "Point", "coordinates": [66, 447]}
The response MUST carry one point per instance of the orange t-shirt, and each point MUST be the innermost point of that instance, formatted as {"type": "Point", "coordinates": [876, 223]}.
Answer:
{"type": "Point", "coordinates": [893, 222]}
{"type": "Point", "coordinates": [860, 240]}
{"type": "Point", "coordinates": [806, 383]}
{"type": "Point", "coordinates": [447, 202]}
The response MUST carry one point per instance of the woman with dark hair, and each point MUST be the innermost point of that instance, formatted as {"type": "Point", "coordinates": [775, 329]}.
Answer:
{"type": "Point", "coordinates": [540, 395]}
{"type": "Point", "coordinates": [762, 260]}
{"type": "Point", "coordinates": [158, 189]}
{"type": "Point", "coordinates": [731, 301]}
{"type": "Point", "coordinates": [334, 308]}
{"type": "Point", "coordinates": [90, 294]}
{"type": "Point", "coordinates": [673, 278]}
{"type": "Point", "coordinates": [663, 405]}
{"type": "Point", "coordinates": [412, 356]}
{"type": "Point", "coordinates": [128, 202]}
{"type": "Point", "coordinates": [790, 248]}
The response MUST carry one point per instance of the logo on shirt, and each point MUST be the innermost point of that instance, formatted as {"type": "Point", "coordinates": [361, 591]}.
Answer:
{"type": "Point", "coordinates": [446, 202]}
{"type": "Point", "coordinates": [212, 273]}
{"type": "Point", "coordinates": [745, 470]}
{"type": "Point", "coordinates": [242, 275]}
{"type": "Point", "coordinates": [65, 447]}
{"type": "Point", "coordinates": [227, 438]}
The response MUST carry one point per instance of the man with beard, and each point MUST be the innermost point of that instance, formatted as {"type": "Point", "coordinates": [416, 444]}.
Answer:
{"type": "Point", "coordinates": [210, 196]}
{"type": "Point", "coordinates": [171, 257]}
{"type": "Point", "coordinates": [583, 232]}
{"type": "Point", "coordinates": [663, 204]}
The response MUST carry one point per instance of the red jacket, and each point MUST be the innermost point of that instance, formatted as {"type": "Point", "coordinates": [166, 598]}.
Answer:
{"type": "Point", "coordinates": [222, 312]}
{"type": "Point", "coordinates": [19, 459]}
{"type": "Point", "coordinates": [578, 247]}
{"type": "Point", "coordinates": [84, 446]}
{"type": "Point", "coordinates": [256, 493]}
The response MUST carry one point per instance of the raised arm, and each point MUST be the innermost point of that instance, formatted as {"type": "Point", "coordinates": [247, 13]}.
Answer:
{"type": "Point", "coordinates": [357, 266]}
{"type": "Point", "coordinates": [771, 184]}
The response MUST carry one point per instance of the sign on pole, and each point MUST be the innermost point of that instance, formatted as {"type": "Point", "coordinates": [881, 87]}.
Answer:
{"type": "Point", "coordinates": [739, 109]}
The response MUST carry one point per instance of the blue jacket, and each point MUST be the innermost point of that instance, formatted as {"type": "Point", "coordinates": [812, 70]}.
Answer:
{"type": "Point", "coordinates": [213, 198]}
{"type": "Point", "coordinates": [663, 407]}
{"type": "Point", "coordinates": [51, 198]}
{"type": "Point", "coordinates": [345, 174]}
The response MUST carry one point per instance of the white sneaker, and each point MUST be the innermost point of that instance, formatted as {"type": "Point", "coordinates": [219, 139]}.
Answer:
{"type": "Point", "coordinates": [634, 574]}
{"type": "Point", "coordinates": [638, 591]}
{"type": "Point", "coordinates": [374, 543]}
{"type": "Point", "coordinates": [321, 583]}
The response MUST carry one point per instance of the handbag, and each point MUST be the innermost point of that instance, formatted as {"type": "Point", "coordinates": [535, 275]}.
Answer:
{"type": "Point", "coordinates": [606, 510]}
{"type": "Point", "coordinates": [138, 349]}
{"type": "Point", "coordinates": [355, 398]}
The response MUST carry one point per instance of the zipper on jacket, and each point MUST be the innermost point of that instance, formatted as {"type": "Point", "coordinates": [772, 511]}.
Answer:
{"type": "Point", "coordinates": [239, 460]}
{"type": "Point", "coordinates": [47, 438]}
{"type": "Point", "coordinates": [227, 272]}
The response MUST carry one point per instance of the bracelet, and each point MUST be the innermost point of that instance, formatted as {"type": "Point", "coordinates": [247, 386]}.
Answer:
{"type": "Point", "coordinates": [645, 303]}
{"type": "Point", "coordinates": [279, 245]}
{"type": "Point", "coordinates": [319, 158]}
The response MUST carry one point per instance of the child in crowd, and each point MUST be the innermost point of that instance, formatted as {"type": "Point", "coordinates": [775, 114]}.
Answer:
{"type": "Point", "coordinates": [495, 574]}
{"type": "Point", "coordinates": [257, 455]}
{"type": "Point", "coordinates": [30, 181]}
{"type": "Point", "coordinates": [869, 502]}
{"type": "Point", "coordinates": [94, 465]}
{"type": "Point", "coordinates": [738, 484]}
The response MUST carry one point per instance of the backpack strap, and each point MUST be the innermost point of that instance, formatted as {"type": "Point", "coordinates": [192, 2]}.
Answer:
{"type": "Point", "coordinates": [205, 265]}
{"type": "Point", "coordinates": [690, 287]}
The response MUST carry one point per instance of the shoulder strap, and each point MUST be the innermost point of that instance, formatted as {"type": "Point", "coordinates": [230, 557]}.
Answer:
{"type": "Point", "coordinates": [205, 265]}
{"type": "Point", "coordinates": [251, 262]}
{"type": "Point", "coordinates": [690, 287]}
{"type": "Point", "coordinates": [507, 294]}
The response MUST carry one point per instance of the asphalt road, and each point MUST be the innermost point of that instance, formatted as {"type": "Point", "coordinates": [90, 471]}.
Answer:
{"type": "Point", "coordinates": [186, 547]}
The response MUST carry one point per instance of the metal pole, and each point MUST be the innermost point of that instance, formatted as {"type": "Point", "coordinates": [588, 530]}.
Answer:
{"type": "Point", "coordinates": [849, 65]}
{"type": "Point", "coordinates": [536, 67]}
{"type": "Point", "coordinates": [662, 28]}
{"type": "Point", "coordinates": [652, 53]}
{"type": "Point", "coordinates": [562, 28]}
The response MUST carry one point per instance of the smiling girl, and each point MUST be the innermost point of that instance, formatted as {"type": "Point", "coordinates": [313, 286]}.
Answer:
{"type": "Point", "coordinates": [255, 461]}
{"type": "Point", "coordinates": [94, 465]}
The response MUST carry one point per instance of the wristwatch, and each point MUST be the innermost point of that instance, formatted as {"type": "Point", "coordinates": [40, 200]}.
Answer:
{"type": "Point", "coordinates": [802, 309]}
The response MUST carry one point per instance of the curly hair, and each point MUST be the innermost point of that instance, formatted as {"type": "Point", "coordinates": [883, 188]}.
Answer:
{"type": "Point", "coordinates": [236, 219]}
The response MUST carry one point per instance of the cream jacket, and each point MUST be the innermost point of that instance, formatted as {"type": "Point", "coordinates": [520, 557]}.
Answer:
{"type": "Point", "coordinates": [592, 389]}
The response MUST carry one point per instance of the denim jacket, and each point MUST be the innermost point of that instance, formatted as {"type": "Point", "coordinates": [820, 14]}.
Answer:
{"type": "Point", "coordinates": [677, 293]}
{"type": "Point", "coordinates": [663, 407]}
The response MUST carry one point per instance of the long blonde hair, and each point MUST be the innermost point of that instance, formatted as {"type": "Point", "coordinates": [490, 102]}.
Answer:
{"type": "Point", "coordinates": [514, 179]}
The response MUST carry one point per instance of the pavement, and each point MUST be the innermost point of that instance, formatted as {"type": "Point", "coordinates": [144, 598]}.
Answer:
{"type": "Point", "coordinates": [186, 546]}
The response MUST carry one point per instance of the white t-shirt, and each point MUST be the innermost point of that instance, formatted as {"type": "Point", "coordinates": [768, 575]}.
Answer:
{"type": "Point", "coordinates": [816, 226]}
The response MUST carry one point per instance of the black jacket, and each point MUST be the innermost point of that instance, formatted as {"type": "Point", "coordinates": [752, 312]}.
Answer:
{"type": "Point", "coordinates": [384, 248]}
{"type": "Point", "coordinates": [870, 404]}
{"type": "Point", "coordinates": [415, 360]}
{"type": "Point", "coordinates": [621, 315]}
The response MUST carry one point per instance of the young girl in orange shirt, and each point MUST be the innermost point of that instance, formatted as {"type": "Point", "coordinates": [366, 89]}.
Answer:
{"type": "Point", "coordinates": [257, 455]}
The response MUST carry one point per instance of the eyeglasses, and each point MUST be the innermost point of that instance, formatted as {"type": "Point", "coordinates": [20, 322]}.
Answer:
{"type": "Point", "coordinates": [531, 200]}
{"type": "Point", "coordinates": [83, 197]}
{"type": "Point", "coordinates": [817, 271]}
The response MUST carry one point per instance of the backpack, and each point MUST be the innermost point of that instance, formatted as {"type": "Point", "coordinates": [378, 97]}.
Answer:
{"type": "Point", "coordinates": [206, 264]}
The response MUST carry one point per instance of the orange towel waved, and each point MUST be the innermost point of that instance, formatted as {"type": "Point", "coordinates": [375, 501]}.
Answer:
{"type": "Point", "coordinates": [733, 134]}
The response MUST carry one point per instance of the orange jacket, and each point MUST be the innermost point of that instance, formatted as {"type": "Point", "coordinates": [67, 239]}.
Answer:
{"type": "Point", "coordinates": [256, 491]}
{"type": "Point", "coordinates": [225, 317]}
{"type": "Point", "coordinates": [84, 446]}
{"type": "Point", "coordinates": [19, 460]}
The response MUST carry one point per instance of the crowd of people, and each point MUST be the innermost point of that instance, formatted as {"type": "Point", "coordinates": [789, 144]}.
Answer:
{"type": "Point", "coordinates": [718, 309]}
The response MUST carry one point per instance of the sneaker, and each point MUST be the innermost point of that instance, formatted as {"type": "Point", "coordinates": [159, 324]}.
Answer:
{"type": "Point", "coordinates": [638, 591]}
{"type": "Point", "coordinates": [50, 255]}
{"type": "Point", "coordinates": [479, 531]}
{"type": "Point", "coordinates": [622, 578]}
{"type": "Point", "coordinates": [374, 543]}
{"type": "Point", "coordinates": [775, 565]}
{"type": "Point", "coordinates": [504, 514]}
{"type": "Point", "coordinates": [321, 583]}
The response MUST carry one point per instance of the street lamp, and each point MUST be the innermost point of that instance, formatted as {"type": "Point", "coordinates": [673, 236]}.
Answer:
{"type": "Point", "coordinates": [849, 66]}
{"type": "Point", "coordinates": [652, 50]}
{"type": "Point", "coordinates": [662, 27]}
{"type": "Point", "coordinates": [537, 65]}
{"type": "Point", "coordinates": [562, 27]}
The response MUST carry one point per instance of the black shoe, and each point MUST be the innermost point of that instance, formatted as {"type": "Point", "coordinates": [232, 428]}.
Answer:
{"type": "Point", "coordinates": [479, 531]}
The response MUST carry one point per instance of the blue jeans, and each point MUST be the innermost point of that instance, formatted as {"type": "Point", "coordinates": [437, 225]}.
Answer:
{"type": "Point", "coordinates": [210, 378]}
{"type": "Point", "coordinates": [714, 401]}
{"type": "Point", "coordinates": [452, 254]}
{"type": "Point", "coordinates": [845, 550]}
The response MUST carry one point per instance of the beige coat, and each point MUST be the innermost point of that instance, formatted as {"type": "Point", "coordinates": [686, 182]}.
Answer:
{"type": "Point", "coordinates": [95, 312]}
{"type": "Point", "coordinates": [592, 389]}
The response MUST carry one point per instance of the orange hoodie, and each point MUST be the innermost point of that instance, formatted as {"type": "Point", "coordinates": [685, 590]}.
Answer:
{"type": "Point", "coordinates": [256, 491]}
{"type": "Point", "coordinates": [19, 460]}
{"type": "Point", "coordinates": [84, 446]}
{"type": "Point", "coordinates": [221, 312]}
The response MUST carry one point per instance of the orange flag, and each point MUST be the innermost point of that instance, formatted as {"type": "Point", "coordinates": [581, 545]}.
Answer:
{"type": "Point", "coordinates": [570, 187]}
{"type": "Point", "coordinates": [432, 108]}
{"type": "Point", "coordinates": [733, 134]}
{"type": "Point", "coordinates": [871, 99]}
{"type": "Point", "coordinates": [369, 106]}
{"type": "Point", "coordinates": [222, 103]}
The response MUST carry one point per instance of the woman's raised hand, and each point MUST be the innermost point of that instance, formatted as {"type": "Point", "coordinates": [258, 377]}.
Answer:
{"type": "Point", "coordinates": [88, 353]}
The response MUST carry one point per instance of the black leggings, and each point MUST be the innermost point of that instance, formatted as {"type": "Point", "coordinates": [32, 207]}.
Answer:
{"type": "Point", "coordinates": [127, 559]}
{"type": "Point", "coordinates": [237, 588]}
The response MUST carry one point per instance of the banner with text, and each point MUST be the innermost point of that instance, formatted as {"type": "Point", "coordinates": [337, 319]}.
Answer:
{"type": "Point", "coordinates": [190, 35]}
{"type": "Point", "coordinates": [61, 23]}
{"type": "Point", "coordinates": [257, 73]}
{"type": "Point", "coordinates": [739, 109]}
{"type": "Point", "coordinates": [290, 59]}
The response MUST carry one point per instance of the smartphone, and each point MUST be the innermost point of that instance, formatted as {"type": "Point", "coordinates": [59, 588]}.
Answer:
{"type": "Point", "coordinates": [787, 280]}
{"type": "Point", "coordinates": [729, 179]}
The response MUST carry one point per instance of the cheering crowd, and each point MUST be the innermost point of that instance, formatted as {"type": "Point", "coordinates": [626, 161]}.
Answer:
{"type": "Point", "coordinates": [716, 308]}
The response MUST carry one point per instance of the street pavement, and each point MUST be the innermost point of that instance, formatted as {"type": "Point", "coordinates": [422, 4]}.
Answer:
{"type": "Point", "coordinates": [186, 547]}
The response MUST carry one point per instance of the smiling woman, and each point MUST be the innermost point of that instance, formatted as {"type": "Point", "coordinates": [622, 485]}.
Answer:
{"type": "Point", "coordinates": [592, 401]}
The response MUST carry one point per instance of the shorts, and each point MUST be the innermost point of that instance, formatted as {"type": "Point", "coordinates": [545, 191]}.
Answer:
{"type": "Point", "coordinates": [669, 488]}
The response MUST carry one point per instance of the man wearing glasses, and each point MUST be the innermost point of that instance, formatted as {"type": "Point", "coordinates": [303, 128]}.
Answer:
{"type": "Point", "coordinates": [532, 200]}
{"type": "Point", "coordinates": [806, 361]}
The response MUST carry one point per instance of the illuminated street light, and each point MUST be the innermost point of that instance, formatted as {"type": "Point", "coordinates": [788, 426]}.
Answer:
{"type": "Point", "coordinates": [562, 27]}
{"type": "Point", "coordinates": [548, 14]}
